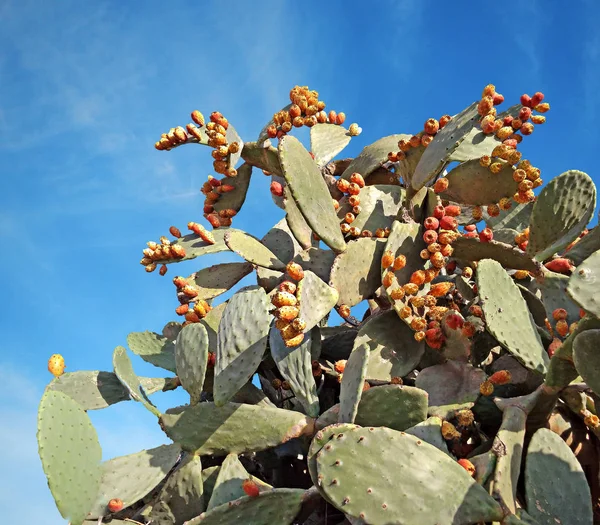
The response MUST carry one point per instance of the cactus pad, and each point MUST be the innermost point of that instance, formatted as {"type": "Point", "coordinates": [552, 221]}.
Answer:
{"type": "Point", "coordinates": [296, 221]}
{"type": "Point", "coordinates": [316, 299]}
{"type": "Point", "coordinates": [278, 506]}
{"type": "Point", "coordinates": [242, 340]}
{"type": "Point", "coordinates": [252, 250]}
{"type": "Point", "coordinates": [310, 192]}
{"type": "Point", "coordinates": [585, 247]}
{"type": "Point", "coordinates": [154, 349]}
{"type": "Point", "coordinates": [317, 261]}
{"type": "Point", "coordinates": [406, 239]}
{"type": "Point", "coordinates": [451, 386]}
{"type": "Point", "coordinates": [587, 357]}
{"type": "Point", "coordinates": [393, 349]}
{"type": "Point", "coordinates": [516, 217]}
{"type": "Point", "coordinates": [447, 140]}
{"type": "Point", "coordinates": [280, 240]}
{"type": "Point", "coordinates": [507, 317]}
{"type": "Point", "coordinates": [555, 485]}
{"type": "Point", "coordinates": [228, 485]}
{"type": "Point", "coordinates": [327, 140]}
{"type": "Point", "coordinates": [194, 246]}
{"type": "Point", "coordinates": [583, 284]}
{"type": "Point", "coordinates": [208, 429]}
{"type": "Point", "coordinates": [70, 453]}
{"type": "Point", "coordinates": [191, 358]}
{"type": "Point", "coordinates": [472, 183]}
{"type": "Point", "coordinates": [430, 431]}
{"type": "Point", "coordinates": [356, 273]}
{"type": "Point", "coordinates": [94, 390]}
{"type": "Point", "coordinates": [560, 213]}
{"type": "Point", "coordinates": [234, 199]}
{"type": "Point", "coordinates": [353, 381]}
{"type": "Point", "coordinates": [374, 497]}
{"type": "Point", "coordinates": [508, 256]}
{"type": "Point", "coordinates": [131, 477]}
{"type": "Point", "coordinates": [295, 365]}
{"type": "Point", "coordinates": [217, 279]}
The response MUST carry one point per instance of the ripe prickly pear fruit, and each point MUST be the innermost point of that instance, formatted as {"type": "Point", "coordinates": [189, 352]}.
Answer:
{"type": "Point", "coordinates": [449, 431]}
{"type": "Point", "coordinates": [56, 365]}
{"type": "Point", "coordinates": [250, 487]}
{"type": "Point", "coordinates": [289, 313]}
{"type": "Point", "coordinates": [501, 377]}
{"type": "Point", "coordinates": [294, 341]}
{"type": "Point", "coordinates": [486, 388]}
{"type": "Point", "coordinates": [295, 271]}
{"type": "Point", "coordinates": [560, 265]}
{"type": "Point", "coordinates": [115, 505]}
{"type": "Point", "coordinates": [486, 235]}
{"type": "Point", "coordinates": [276, 188]}
{"type": "Point", "coordinates": [468, 466]}
{"type": "Point", "coordinates": [284, 299]}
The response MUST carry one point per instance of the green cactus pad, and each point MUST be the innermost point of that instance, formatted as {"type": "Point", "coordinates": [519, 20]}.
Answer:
{"type": "Point", "coordinates": [195, 247]}
{"type": "Point", "coordinates": [228, 485]}
{"type": "Point", "coordinates": [394, 406]}
{"type": "Point", "coordinates": [555, 485]}
{"type": "Point", "coordinates": [583, 284]}
{"type": "Point", "coordinates": [317, 261]}
{"type": "Point", "coordinates": [316, 299]}
{"type": "Point", "coordinates": [373, 156]}
{"type": "Point", "coordinates": [252, 250]}
{"type": "Point", "coordinates": [516, 217]}
{"type": "Point", "coordinates": [379, 204]}
{"type": "Point", "coordinates": [553, 291]}
{"type": "Point", "coordinates": [505, 235]}
{"type": "Point", "coordinates": [217, 279]}
{"type": "Point", "coordinates": [472, 183]}
{"type": "Point", "coordinates": [295, 365]}
{"type": "Point", "coordinates": [125, 374]}
{"type": "Point", "coordinates": [339, 345]}
{"type": "Point", "coordinates": [476, 143]}
{"type": "Point", "coordinates": [393, 349]}
{"type": "Point", "coordinates": [374, 497]}
{"type": "Point", "coordinates": [446, 141]}
{"type": "Point", "coordinates": [585, 247]}
{"type": "Point", "coordinates": [183, 492]}
{"type": "Point", "coordinates": [587, 357]}
{"type": "Point", "coordinates": [327, 140]}
{"type": "Point", "coordinates": [209, 478]}
{"type": "Point", "coordinates": [507, 317]}
{"type": "Point", "coordinates": [353, 380]}
{"type": "Point", "coordinates": [131, 477]}
{"type": "Point", "coordinates": [70, 453]}
{"type": "Point", "coordinates": [278, 506]}
{"type": "Point", "coordinates": [263, 156]}
{"type": "Point", "coordinates": [560, 213]}
{"type": "Point", "coordinates": [242, 340]}
{"type": "Point", "coordinates": [430, 431]}
{"type": "Point", "coordinates": [406, 239]}
{"type": "Point", "coordinates": [191, 358]}
{"type": "Point", "coordinates": [251, 395]}
{"type": "Point", "coordinates": [208, 429]}
{"type": "Point", "coordinates": [356, 273]}
{"type": "Point", "coordinates": [321, 438]}
{"type": "Point", "coordinates": [154, 349]}
{"type": "Point", "coordinates": [508, 256]}
{"type": "Point", "coordinates": [310, 192]}
{"type": "Point", "coordinates": [94, 390]}
{"type": "Point", "coordinates": [280, 240]}
{"type": "Point", "coordinates": [451, 386]}
{"type": "Point", "coordinates": [535, 305]}
{"type": "Point", "coordinates": [232, 136]}
{"type": "Point", "coordinates": [234, 199]}
{"type": "Point", "coordinates": [296, 221]}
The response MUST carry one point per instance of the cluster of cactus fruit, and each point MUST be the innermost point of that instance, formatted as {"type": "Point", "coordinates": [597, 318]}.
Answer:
{"type": "Point", "coordinates": [449, 402]}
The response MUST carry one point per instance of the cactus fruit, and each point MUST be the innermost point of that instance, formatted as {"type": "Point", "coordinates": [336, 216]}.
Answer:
{"type": "Point", "coordinates": [417, 397]}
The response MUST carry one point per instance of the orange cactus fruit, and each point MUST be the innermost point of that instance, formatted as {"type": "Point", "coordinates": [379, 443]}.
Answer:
{"type": "Point", "coordinates": [357, 178]}
{"type": "Point", "coordinates": [396, 380]}
{"type": "Point", "coordinates": [465, 417]}
{"type": "Point", "coordinates": [250, 488]}
{"type": "Point", "coordinates": [389, 279]}
{"type": "Point", "coordinates": [340, 366]}
{"type": "Point", "coordinates": [115, 505]}
{"type": "Point", "coordinates": [56, 365]}
{"type": "Point", "coordinates": [486, 388]}
{"type": "Point", "coordinates": [344, 311]}
{"type": "Point", "coordinates": [295, 271]}
{"type": "Point", "coordinates": [440, 289]}
{"type": "Point", "coordinates": [441, 185]}
{"type": "Point", "coordinates": [299, 324]}
{"type": "Point", "coordinates": [444, 119]}
{"type": "Point", "coordinates": [501, 377]}
{"type": "Point", "coordinates": [562, 327]}
{"type": "Point", "coordinates": [468, 466]}
{"type": "Point", "coordinates": [288, 313]}
{"type": "Point", "coordinates": [284, 299]}
{"type": "Point", "coordinates": [449, 431]}
{"type": "Point", "coordinates": [399, 262]}
{"type": "Point", "coordinates": [294, 341]}
{"type": "Point", "coordinates": [387, 259]}
{"type": "Point", "coordinates": [559, 314]}
{"type": "Point", "coordinates": [287, 286]}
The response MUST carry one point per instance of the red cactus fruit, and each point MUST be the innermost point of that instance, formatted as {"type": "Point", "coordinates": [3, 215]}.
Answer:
{"type": "Point", "coordinates": [560, 265]}
{"type": "Point", "coordinates": [344, 311]}
{"type": "Point", "coordinates": [441, 185]}
{"type": "Point", "coordinates": [524, 114]}
{"type": "Point", "coordinates": [486, 235]}
{"type": "Point", "coordinates": [554, 346]}
{"type": "Point", "coordinates": [430, 236]}
{"type": "Point", "coordinates": [562, 327]}
{"type": "Point", "coordinates": [501, 377]}
{"type": "Point", "coordinates": [454, 321]}
{"type": "Point", "coordinates": [444, 120]}
{"type": "Point", "coordinates": [431, 126]}
{"type": "Point", "coordinates": [452, 210]}
{"type": "Point", "coordinates": [448, 223]}
{"type": "Point", "coordinates": [468, 466]}
{"type": "Point", "coordinates": [526, 100]}
{"type": "Point", "coordinates": [497, 99]}
{"type": "Point", "coordinates": [559, 314]}
{"type": "Point", "coordinates": [476, 310]}
{"type": "Point", "coordinates": [276, 188]}
{"type": "Point", "coordinates": [340, 366]}
{"type": "Point", "coordinates": [287, 286]}
{"type": "Point", "coordinates": [431, 223]}
{"type": "Point", "coordinates": [115, 505]}
{"type": "Point", "coordinates": [434, 338]}
{"type": "Point", "coordinates": [468, 329]}
{"type": "Point", "coordinates": [251, 488]}
{"type": "Point", "coordinates": [537, 99]}
{"type": "Point", "coordinates": [439, 212]}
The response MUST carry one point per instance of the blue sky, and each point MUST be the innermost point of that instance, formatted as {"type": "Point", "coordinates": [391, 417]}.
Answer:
{"type": "Point", "coordinates": [86, 89]}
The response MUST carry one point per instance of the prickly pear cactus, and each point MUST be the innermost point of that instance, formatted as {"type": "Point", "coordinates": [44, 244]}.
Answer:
{"type": "Point", "coordinates": [439, 406]}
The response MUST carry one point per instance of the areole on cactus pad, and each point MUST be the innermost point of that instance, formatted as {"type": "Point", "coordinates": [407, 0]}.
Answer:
{"type": "Point", "coordinates": [480, 330]}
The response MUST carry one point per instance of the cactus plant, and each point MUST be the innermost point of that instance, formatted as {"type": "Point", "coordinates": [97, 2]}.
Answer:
{"type": "Point", "coordinates": [482, 325]}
